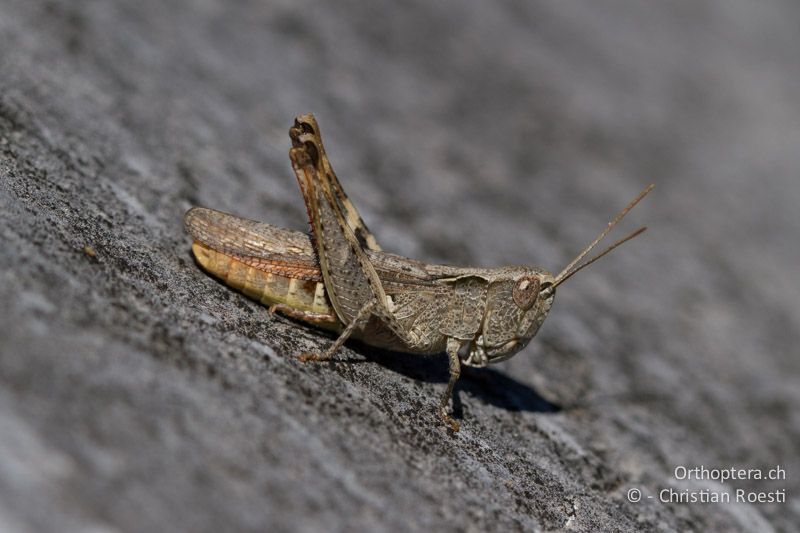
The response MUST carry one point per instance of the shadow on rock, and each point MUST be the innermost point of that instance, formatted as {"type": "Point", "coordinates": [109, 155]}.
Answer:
{"type": "Point", "coordinates": [487, 384]}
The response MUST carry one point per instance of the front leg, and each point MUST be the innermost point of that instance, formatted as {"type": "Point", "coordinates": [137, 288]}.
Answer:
{"type": "Point", "coordinates": [453, 345]}
{"type": "Point", "coordinates": [360, 319]}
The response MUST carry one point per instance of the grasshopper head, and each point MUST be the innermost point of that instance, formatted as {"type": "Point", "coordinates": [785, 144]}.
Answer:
{"type": "Point", "coordinates": [519, 298]}
{"type": "Point", "coordinates": [532, 293]}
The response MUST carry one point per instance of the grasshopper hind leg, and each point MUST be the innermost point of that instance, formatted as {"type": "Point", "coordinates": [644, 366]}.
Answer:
{"type": "Point", "coordinates": [360, 319]}
{"type": "Point", "coordinates": [324, 320]}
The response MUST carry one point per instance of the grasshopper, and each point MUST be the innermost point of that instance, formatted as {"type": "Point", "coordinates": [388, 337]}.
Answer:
{"type": "Point", "coordinates": [338, 278]}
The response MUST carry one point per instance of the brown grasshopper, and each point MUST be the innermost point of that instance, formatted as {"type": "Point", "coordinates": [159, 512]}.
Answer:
{"type": "Point", "coordinates": [338, 278]}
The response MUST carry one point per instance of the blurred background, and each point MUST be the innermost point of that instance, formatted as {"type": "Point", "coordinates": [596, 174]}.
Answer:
{"type": "Point", "coordinates": [137, 394]}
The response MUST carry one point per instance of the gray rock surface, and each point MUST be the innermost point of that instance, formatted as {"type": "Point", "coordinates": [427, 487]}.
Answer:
{"type": "Point", "coordinates": [138, 394]}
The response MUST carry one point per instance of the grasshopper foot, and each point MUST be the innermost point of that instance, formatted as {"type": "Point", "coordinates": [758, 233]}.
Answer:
{"type": "Point", "coordinates": [448, 420]}
{"type": "Point", "coordinates": [306, 357]}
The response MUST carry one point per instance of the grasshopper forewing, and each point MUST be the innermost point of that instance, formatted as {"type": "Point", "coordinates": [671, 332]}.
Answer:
{"type": "Point", "coordinates": [338, 278]}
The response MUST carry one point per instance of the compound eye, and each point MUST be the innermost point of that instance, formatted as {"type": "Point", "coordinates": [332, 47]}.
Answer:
{"type": "Point", "coordinates": [525, 292]}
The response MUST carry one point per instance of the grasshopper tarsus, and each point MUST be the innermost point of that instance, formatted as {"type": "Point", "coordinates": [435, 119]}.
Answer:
{"type": "Point", "coordinates": [449, 421]}
{"type": "Point", "coordinates": [339, 278]}
{"type": "Point", "coordinates": [306, 357]}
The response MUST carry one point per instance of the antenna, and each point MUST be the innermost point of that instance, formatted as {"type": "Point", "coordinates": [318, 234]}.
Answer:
{"type": "Point", "coordinates": [571, 269]}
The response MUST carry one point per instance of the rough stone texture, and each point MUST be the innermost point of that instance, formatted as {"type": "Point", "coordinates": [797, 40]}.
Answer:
{"type": "Point", "coordinates": [138, 394]}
